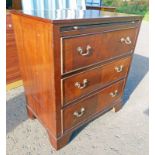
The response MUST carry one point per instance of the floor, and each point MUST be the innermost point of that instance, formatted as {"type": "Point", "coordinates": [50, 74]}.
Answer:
{"type": "Point", "coordinates": [122, 133]}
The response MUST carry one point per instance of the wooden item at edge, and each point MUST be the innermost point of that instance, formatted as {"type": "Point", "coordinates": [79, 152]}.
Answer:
{"type": "Point", "coordinates": [39, 43]}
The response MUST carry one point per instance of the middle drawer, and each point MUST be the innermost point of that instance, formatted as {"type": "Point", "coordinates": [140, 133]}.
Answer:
{"type": "Point", "coordinates": [85, 82]}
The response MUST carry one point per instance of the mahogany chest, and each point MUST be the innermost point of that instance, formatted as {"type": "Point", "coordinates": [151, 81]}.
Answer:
{"type": "Point", "coordinates": [74, 65]}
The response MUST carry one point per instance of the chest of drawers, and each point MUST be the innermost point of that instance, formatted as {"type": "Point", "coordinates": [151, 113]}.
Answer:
{"type": "Point", "coordinates": [74, 68]}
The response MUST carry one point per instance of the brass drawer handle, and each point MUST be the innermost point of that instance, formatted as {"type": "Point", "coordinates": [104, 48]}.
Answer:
{"type": "Point", "coordinates": [83, 85]}
{"type": "Point", "coordinates": [114, 94]}
{"type": "Point", "coordinates": [126, 40]}
{"type": "Point", "coordinates": [79, 113]}
{"type": "Point", "coordinates": [119, 68]}
{"type": "Point", "coordinates": [84, 53]}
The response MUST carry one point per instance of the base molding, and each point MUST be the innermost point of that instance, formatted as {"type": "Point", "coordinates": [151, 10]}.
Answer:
{"type": "Point", "coordinates": [66, 136]}
{"type": "Point", "coordinates": [118, 106]}
{"type": "Point", "coordinates": [61, 142]}
{"type": "Point", "coordinates": [64, 139]}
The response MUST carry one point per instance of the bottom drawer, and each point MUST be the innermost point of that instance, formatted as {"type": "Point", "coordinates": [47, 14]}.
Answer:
{"type": "Point", "coordinates": [82, 110]}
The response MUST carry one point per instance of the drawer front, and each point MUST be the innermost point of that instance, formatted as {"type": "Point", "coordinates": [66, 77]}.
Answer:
{"type": "Point", "coordinates": [86, 82]}
{"type": "Point", "coordinates": [76, 113]}
{"type": "Point", "coordinates": [82, 51]}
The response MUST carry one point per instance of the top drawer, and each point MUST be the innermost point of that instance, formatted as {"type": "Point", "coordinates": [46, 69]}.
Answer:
{"type": "Point", "coordinates": [84, 50]}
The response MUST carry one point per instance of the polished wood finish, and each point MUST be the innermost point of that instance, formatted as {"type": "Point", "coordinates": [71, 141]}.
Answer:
{"type": "Point", "coordinates": [33, 38]}
{"type": "Point", "coordinates": [96, 78]}
{"type": "Point", "coordinates": [48, 45]}
{"type": "Point", "coordinates": [12, 63]}
{"type": "Point", "coordinates": [100, 48]}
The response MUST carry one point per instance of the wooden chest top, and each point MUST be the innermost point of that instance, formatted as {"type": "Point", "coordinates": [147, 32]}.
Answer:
{"type": "Point", "coordinates": [70, 16]}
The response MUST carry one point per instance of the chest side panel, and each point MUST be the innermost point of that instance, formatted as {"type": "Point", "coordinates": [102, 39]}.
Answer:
{"type": "Point", "coordinates": [34, 41]}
